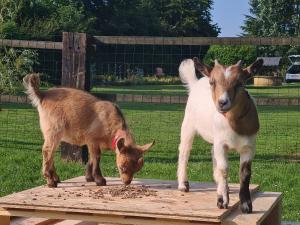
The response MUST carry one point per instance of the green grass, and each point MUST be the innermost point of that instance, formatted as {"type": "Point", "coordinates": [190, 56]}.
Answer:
{"type": "Point", "coordinates": [285, 91]}
{"type": "Point", "coordinates": [276, 166]}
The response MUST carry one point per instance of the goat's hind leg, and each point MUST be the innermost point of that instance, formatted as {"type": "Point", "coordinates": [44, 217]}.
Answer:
{"type": "Point", "coordinates": [220, 167]}
{"type": "Point", "coordinates": [49, 147]}
{"type": "Point", "coordinates": [186, 141]}
{"type": "Point", "coordinates": [55, 176]}
{"type": "Point", "coordinates": [245, 176]}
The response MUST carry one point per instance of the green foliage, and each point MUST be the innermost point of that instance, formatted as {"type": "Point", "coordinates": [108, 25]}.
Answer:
{"type": "Point", "coordinates": [276, 18]}
{"type": "Point", "coordinates": [185, 17]}
{"type": "Point", "coordinates": [156, 17]}
{"type": "Point", "coordinates": [14, 65]}
{"type": "Point", "coordinates": [41, 19]}
{"type": "Point", "coordinates": [229, 55]}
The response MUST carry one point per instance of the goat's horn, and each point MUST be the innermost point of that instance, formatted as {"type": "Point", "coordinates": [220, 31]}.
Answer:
{"type": "Point", "coordinates": [239, 63]}
{"type": "Point", "coordinates": [216, 62]}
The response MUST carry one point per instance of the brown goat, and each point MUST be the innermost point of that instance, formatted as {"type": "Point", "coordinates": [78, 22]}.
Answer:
{"type": "Point", "coordinates": [76, 117]}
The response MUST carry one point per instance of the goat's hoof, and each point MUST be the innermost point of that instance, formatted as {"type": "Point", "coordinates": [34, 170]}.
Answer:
{"type": "Point", "coordinates": [246, 207]}
{"type": "Point", "coordinates": [57, 180]}
{"type": "Point", "coordinates": [100, 182]}
{"type": "Point", "coordinates": [221, 204]}
{"type": "Point", "coordinates": [185, 187]}
{"type": "Point", "coordinates": [52, 184]}
{"type": "Point", "coordinates": [89, 179]}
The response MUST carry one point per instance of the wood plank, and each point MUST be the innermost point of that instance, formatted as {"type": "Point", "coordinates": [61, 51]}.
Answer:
{"type": "Point", "coordinates": [106, 219]}
{"type": "Point", "coordinates": [34, 221]}
{"type": "Point", "coordinates": [43, 221]}
{"type": "Point", "coordinates": [263, 205]}
{"type": "Point", "coordinates": [74, 196]}
{"type": "Point", "coordinates": [77, 222]}
{"type": "Point", "coordinates": [31, 44]}
{"type": "Point", "coordinates": [274, 216]}
{"type": "Point", "coordinates": [143, 40]}
{"type": "Point", "coordinates": [5, 219]}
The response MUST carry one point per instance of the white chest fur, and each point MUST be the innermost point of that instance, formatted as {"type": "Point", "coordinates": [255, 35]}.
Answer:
{"type": "Point", "coordinates": [225, 135]}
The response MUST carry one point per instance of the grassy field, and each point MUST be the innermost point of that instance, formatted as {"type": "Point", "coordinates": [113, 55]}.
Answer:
{"type": "Point", "coordinates": [275, 168]}
{"type": "Point", "coordinates": [286, 91]}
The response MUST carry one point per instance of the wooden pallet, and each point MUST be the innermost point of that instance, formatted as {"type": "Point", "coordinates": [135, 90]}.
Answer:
{"type": "Point", "coordinates": [72, 201]}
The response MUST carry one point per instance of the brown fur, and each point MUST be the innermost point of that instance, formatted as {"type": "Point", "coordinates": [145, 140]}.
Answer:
{"type": "Point", "coordinates": [79, 118]}
{"type": "Point", "coordinates": [242, 116]}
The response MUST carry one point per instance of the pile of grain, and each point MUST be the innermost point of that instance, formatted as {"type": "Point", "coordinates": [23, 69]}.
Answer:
{"type": "Point", "coordinates": [123, 192]}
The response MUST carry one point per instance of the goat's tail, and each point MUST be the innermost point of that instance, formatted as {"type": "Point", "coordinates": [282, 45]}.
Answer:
{"type": "Point", "coordinates": [32, 84]}
{"type": "Point", "coordinates": [187, 72]}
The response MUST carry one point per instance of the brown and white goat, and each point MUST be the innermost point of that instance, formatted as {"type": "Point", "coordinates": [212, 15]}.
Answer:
{"type": "Point", "coordinates": [76, 117]}
{"type": "Point", "coordinates": [222, 112]}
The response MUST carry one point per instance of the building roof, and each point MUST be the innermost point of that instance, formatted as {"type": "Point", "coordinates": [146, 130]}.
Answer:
{"type": "Point", "coordinates": [271, 61]}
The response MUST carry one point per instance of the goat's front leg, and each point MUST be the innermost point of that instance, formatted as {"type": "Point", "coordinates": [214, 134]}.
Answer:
{"type": "Point", "coordinates": [246, 157]}
{"type": "Point", "coordinates": [186, 141]}
{"type": "Point", "coordinates": [89, 171]}
{"type": "Point", "coordinates": [220, 163]}
{"type": "Point", "coordinates": [93, 172]}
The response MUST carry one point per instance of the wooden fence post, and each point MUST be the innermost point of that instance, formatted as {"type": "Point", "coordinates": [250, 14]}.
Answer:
{"type": "Point", "coordinates": [75, 74]}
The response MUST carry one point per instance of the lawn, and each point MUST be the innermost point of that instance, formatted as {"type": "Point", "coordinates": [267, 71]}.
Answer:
{"type": "Point", "coordinates": [285, 91]}
{"type": "Point", "coordinates": [275, 168]}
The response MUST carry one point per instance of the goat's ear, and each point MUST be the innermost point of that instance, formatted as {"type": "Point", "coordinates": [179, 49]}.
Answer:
{"type": "Point", "coordinates": [146, 147]}
{"type": "Point", "coordinates": [252, 69]}
{"type": "Point", "coordinates": [121, 144]}
{"type": "Point", "coordinates": [201, 67]}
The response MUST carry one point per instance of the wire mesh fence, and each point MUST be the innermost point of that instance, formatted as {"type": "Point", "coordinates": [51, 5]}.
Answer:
{"type": "Point", "coordinates": [19, 129]}
{"type": "Point", "coordinates": [143, 79]}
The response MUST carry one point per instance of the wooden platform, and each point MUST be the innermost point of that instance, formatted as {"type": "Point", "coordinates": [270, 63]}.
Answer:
{"type": "Point", "coordinates": [74, 199]}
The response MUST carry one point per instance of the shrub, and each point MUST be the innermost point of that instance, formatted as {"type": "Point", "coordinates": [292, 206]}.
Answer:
{"type": "Point", "coordinates": [231, 54]}
{"type": "Point", "coordinates": [14, 65]}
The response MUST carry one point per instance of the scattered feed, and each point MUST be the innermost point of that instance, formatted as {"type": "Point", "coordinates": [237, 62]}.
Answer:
{"type": "Point", "coordinates": [124, 192]}
{"type": "Point", "coordinates": [110, 193]}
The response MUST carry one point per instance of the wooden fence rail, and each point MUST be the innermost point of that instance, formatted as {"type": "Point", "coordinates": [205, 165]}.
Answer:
{"type": "Point", "coordinates": [31, 44]}
{"type": "Point", "coordinates": [142, 40]}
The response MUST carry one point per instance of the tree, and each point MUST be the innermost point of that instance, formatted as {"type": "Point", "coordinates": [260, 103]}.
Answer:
{"type": "Point", "coordinates": [185, 17]}
{"type": "Point", "coordinates": [41, 19]}
{"type": "Point", "coordinates": [274, 18]}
